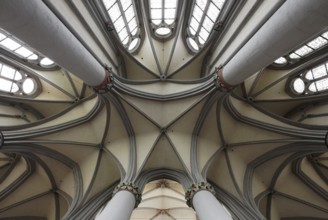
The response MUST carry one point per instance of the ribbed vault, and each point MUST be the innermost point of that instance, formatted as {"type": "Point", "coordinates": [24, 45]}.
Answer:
{"type": "Point", "coordinates": [165, 117]}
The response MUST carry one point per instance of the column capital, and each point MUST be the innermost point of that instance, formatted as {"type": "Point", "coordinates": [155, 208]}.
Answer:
{"type": "Point", "coordinates": [132, 188]}
{"type": "Point", "coordinates": [219, 79]}
{"type": "Point", "coordinates": [106, 85]}
{"type": "Point", "coordinates": [196, 187]}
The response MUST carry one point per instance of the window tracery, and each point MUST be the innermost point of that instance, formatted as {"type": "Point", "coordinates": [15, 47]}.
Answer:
{"type": "Point", "coordinates": [311, 81]}
{"type": "Point", "coordinates": [22, 51]}
{"type": "Point", "coordinates": [308, 50]}
{"type": "Point", "coordinates": [203, 19]}
{"type": "Point", "coordinates": [122, 14]}
{"type": "Point", "coordinates": [17, 82]}
{"type": "Point", "coordinates": [163, 14]}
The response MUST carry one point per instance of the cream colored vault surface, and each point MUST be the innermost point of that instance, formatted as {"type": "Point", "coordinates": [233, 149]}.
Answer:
{"type": "Point", "coordinates": [165, 116]}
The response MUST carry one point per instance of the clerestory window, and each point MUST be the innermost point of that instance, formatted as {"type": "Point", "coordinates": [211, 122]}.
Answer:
{"type": "Point", "coordinates": [16, 82]}
{"type": "Point", "coordinates": [122, 14]}
{"type": "Point", "coordinates": [204, 16]}
{"type": "Point", "coordinates": [319, 43]}
{"type": "Point", "coordinates": [163, 15]}
{"type": "Point", "coordinates": [311, 81]}
{"type": "Point", "coordinates": [9, 43]}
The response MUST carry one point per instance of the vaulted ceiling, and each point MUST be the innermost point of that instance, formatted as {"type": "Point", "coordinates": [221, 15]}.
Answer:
{"type": "Point", "coordinates": [165, 117]}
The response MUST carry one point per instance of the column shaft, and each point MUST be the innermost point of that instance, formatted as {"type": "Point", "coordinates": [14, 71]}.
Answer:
{"type": "Point", "coordinates": [120, 207]}
{"type": "Point", "coordinates": [34, 23]}
{"type": "Point", "coordinates": [294, 23]}
{"type": "Point", "coordinates": [208, 207]}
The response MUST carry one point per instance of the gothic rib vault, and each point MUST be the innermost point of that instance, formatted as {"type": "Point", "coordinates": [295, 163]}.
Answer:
{"type": "Point", "coordinates": [164, 113]}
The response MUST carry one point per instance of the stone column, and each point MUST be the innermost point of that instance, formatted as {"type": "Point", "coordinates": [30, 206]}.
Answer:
{"type": "Point", "coordinates": [35, 24]}
{"type": "Point", "coordinates": [294, 23]}
{"type": "Point", "coordinates": [126, 198]}
{"type": "Point", "coordinates": [201, 197]}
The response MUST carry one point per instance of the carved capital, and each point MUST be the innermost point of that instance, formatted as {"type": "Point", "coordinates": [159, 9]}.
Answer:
{"type": "Point", "coordinates": [196, 187]}
{"type": "Point", "coordinates": [220, 81]}
{"type": "Point", "coordinates": [106, 85]}
{"type": "Point", "coordinates": [131, 187]}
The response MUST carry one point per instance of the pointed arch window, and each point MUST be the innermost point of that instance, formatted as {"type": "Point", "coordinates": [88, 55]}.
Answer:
{"type": "Point", "coordinates": [122, 14]}
{"type": "Point", "coordinates": [316, 46]}
{"type": "Point", "coordinates": [204, 16]}
{"type": "Point", "coordinates": [163, 14]}
{"type": "Point", "coordinates": [311, 81]}
{"type": "Point", "coordinates": [16, 82]}
{"type": "Point", "coordinates": [23, 52]}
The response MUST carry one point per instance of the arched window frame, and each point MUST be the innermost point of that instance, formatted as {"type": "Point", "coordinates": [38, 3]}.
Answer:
{"type": "Point", "coordinates": [135, 39]}
{"type": "Point", "coordinates": [311, 49]}
{"type": "Point", "coordinates": [19, 78]}
{"type": "Point", "coordinates": [162, 24]}
{"type": "Point", "coordinates": [14, 48]}
{"type": "Point", "coordinates": [192, 39]}
{"type": "Point", "coordinates": [312, 80]}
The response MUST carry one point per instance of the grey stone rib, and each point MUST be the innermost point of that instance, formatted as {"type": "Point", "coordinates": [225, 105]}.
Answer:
{"type": "Point", "coordinates": [124, 88]}
{"type": "Point", "coordinates": [178, 155]}
{"type": "Point", "coordinates": [279, 151]}
{"type": "Point", "coordinates": [273, 128]}
{"type": "Point", "coordinates": [150, 39]}
{"type": "Point", "coordinates": [199, 100]}
{"type": "Point", "coordinates": [12, 129]}
{"type": "Point", "coordinates": [76, 93]}
{"type": "Point", "coordinates": [131, 172]}
{"type": "Point", "coordinates": [151, 175]}
{"type": "Point", "coordinates": [15, 135]}
{"type": "Point", "coordinates": [148, 155]}
{"type": "Point", "coordinates": [296, 168]}
{"type": "Point", "coordinates": [178, 29]}
{"type": "Point", "coordinates": [94, 176]}
{"type": "Point", "coordinates": [38, 149]}
{"type": "Point", "coordinates": [89, 30]}
{"type": "Point", "coordinates": [239, 209]}
{"type": "Point", "coordinates": [25, 201]}
{"type": "Point", "coordinates": [194, 141]}
{"type": "Point", "coordinates": [237, 32]}
{"type": "Point", "coordinates": [19, 181]}
{"type": "Point", "coordinates": [137, 109]}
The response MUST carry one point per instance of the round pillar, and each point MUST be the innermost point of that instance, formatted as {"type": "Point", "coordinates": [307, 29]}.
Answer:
{"type": "Point", "coordinates": [201, 197]}
{"type": "Point", "coordinates": [119, 207]}
{"type": "Point", "coordinates": [35, 24]}
{"type": "Point", "coordinates": [126, 198]}
{"type": "Point", "coordinates": [208, 207]}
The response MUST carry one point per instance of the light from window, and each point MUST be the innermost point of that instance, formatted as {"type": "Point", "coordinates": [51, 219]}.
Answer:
{"type": "Point", "coordinates": [163, 16]}
{"type": "Point", "coordinates": [307, 49]}
{"type": "Point", "coordinates": [14, 82]}
{"type": "Point", "coordinates": [28, 86]}
{"type": "Point", "coordinates": [303, 51]}
{"type": "Point", "coordinates": [298, 86]}
{"type": "Point", "coordinates": [281, 60]}
{"type": "Point", "coordinates": [9, 43]}
{"type": "Point", "coordinates": [163, 31]}
{"type": "Point", "coordinates": [46, 62]}
{"type": "Point", "coordinates": [204, 15]}
{"type": "Point", "coordinates": [312, 81]}
{"type": "Point", "coordinates": [193, 43]}
{"type": "Point", "coordinates": [122, 15]}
